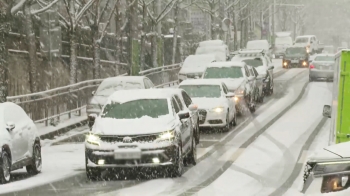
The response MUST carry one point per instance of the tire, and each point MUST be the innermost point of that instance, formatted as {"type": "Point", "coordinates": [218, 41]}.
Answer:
{"type": "Point", "coordinates": [198, 135]}
{"type": "Point", "coordinates": [191, 158]}
{"type": "Point", "coordinates": [234, 121]}
{"type": "Point", "coordinates": [5, 168]}
{"type": "Point", "coordinates": [176, 170]}
{"type": "Point", "coordinates": [227, 126]}
{"type": "Point", "coordinates": [36, 165]}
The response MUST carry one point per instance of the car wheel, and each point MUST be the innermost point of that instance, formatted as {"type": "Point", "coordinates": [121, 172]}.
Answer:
{"type": "Point", "coordinates": [198, 135]}
{"type": "Point", "coordinates": [234, 121]}
{"type": "Point", "coordinates": [227, 126]}
{"type": "Point", "coordinates": [176, 170]}
{"type": "Point", "coordinates": [5, 171]}
{"type": "Point", "coordinates": [191, 158]}
{"type": "Point", "coordinates": [36, 165]}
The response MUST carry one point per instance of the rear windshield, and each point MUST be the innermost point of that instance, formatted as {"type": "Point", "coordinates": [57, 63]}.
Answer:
{"type": "Point", "coordinates": [209, 91]}
{"type": "Point", "coordinates": [302, 40]}
{"type": "Point", "coordinates": [136, 109]}
{"type": "Point", "coordinates": [223, 72]}
{"type": "Point", "coordinates": [296, 51]}
{"type": "Point", "coordinates": [254, 62]}
{"type": "Point", "coordinates": [324, 58]}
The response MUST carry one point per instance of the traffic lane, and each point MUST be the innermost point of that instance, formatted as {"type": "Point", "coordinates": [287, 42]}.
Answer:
{"type": "Point", "coordinates": [223, 153]}
{"type": "Point", "coordinates": [80, 185]}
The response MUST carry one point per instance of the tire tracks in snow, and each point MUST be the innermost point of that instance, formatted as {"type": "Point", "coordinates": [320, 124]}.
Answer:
{"type": "Point", "coordinates": [228, 163]}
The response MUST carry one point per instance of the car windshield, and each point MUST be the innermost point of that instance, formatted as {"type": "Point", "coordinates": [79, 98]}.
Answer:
{"type": "Point", "coordinates": [208, 91]}
{"type": "Point", "coordinates": [136, 109]}
{"type": "Point", "coordinates": [254, 62]}
{"type": "Point", "coordinates": [109, 88]}
{"type": "Point", "coordinates": [296, 51]}
{"type": "Point", "coordinates": [324, 58]}
{"type": "Point", "coordinates": [223, 72]}
{"type": "Point", "coordinates": [302, 40]}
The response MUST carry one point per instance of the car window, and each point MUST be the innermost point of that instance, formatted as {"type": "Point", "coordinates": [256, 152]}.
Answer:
{"type": "Point", "coordinates": [187, 99]}
{"type": "Point", "coordinates": [255, 72]}
{"type": "Point", "coordinates": [146, 84]}
{"type": "Point", "coordinates": [176, 107]}
{"type": "Point", "coordinates": [247, 72]}
{"type": "Point", "coordinates": [252, 72]}
{"type": "Point", "coordinates": [179, 102]}
{"type": "Point", "coordinates": [150, 83]}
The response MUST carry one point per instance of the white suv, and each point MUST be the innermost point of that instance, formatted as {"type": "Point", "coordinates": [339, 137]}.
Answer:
{"type": "Point", "coordinates": [310, 42]}
{"type": "Point", "coordinates": [19, 142]}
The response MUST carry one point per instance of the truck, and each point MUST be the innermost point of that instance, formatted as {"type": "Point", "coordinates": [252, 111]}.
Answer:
{"type": "Point", "coordinates": [328, 170]}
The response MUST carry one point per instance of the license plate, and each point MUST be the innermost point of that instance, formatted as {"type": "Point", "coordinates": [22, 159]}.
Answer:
{"type": "Point", "coordinates": [295, 61]}
{"type": "Point", "coordinates": [127, 154]}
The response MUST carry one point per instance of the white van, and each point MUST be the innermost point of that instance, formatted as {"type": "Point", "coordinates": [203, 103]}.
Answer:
{"type": "Point", "coordinates": [309, 41]}
{"type": "Point", "coordinates": [222, 53]}
{"type": "Point", "coordinates": [260, 45]}
{"type": "Point", "coordinates": [283, 40]}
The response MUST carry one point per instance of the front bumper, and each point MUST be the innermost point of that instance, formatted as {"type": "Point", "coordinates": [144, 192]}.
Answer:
{"type": "Point", "coordinates": [209, 118]}
{"type": "Point", "coordinates": [328, 74]}
{"type": "Point", "coordinates": [300, 63]}
{"type": "Point", "coordinates": [165, 155]}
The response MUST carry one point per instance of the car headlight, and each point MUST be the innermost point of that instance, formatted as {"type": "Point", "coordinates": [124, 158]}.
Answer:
{"type": "Point", "coordinates": [239, 91]}
{"type": "Point", "coordinates": [93, 139]}
{"type": "Point", "coordinates": [166, 136]}
{"type": "Point", "coordinates": [218, 109]}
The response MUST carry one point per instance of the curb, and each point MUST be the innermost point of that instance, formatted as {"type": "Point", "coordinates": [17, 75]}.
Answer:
{"type": "Point", "coordinates": [62, 130]}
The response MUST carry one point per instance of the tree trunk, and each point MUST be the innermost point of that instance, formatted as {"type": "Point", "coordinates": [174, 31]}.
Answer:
{"type": "Point", "coordinates": [154, 46]}
{"type": "Point", "coordinates": [176, 19]}
{"type": "Point", "coordinates": [4, 30]}
{"type": "Point", "coordinates": [31, 48]}
{"type": "Point", "coordinates": [118, 25]}
{"type": "Point", "coordinates": [235, 31]}
{"type": "Point", "coordinates": [73, 58]}
{"type": "Point", "coordinates": [96, 54]}
{"type": "Point", "coordinates": [143, 38]}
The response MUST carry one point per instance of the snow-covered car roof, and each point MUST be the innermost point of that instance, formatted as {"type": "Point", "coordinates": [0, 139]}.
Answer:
{"type": "Point", "coordinates": [220, 51]}
{"type": "Point", "coordinates": [172, 91]}
{"type": "Point", "coordinates": [202, 82]}
{"type": "Point", "coordinates": [131, 95]}
{"type": "Point", "coordinates": [308, 36]}
{"type": "Point", "coordinates": [211, 43]}
{"type": "Point", "coordinates": [227, 64]}
{"type": "Point", "coordinates": [197, 63]}
{"type": "Point", "coordinates": [258, 44]}
{"type": "Point", "coordinates": [124, 78]}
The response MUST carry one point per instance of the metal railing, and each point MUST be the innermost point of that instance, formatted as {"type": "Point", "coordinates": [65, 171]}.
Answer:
{"type": "Point", "coordinates": [48, 106]}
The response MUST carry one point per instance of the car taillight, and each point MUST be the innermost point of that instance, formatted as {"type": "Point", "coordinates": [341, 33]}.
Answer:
{"type": "Point", "coordinates": [312, 66]}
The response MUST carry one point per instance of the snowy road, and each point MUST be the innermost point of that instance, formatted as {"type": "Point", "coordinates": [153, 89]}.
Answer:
{"type": "Point", "coordinates": [263, 154]}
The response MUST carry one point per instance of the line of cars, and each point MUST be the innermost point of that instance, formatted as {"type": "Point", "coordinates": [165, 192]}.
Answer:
{"type": "Point", "coordinates": [140, 128]}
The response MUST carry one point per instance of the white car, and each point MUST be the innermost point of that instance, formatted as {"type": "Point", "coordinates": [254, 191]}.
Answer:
{"type": "Point", "coordinates": [194, 65]}
{"type": "Point", "coordinates": [140, 128]}
{"type": "Point", "coordinates": [110, 85]}
{"type": "Point", "coordinates": [260, 45]}
{"type": "Point", "coordinates": [308, 41]}
{"type": "Point", "coordinates": [216, 105]}
{"type": "Point", "coordinates": [221, 52]}
{"type": "Point", "coordinates": [19, 141]}
{"type": "Point", "coordinates": [240, 79]}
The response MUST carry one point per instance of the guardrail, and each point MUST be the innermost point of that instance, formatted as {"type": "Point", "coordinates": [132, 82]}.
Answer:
{"type": "Point", "coordinates": [52, 104]}
{"type": "Point", "coordinates": [46, 106]}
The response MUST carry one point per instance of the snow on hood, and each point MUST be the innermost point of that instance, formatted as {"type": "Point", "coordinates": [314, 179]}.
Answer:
{"type": "Point", "coordinates": [209, 103]}
{"type": "Point", "coordinates": [144, 125]}
{"type": "Point", "coordinates": [99, 100]}
{"type": "Point", "coordinates": [233, 84]}
{"type": "Point", "coordinates": [261, 70]}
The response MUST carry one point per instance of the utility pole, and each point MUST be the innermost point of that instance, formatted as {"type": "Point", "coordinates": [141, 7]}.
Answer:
{"type": "Point", "coordinates": [273, 22]}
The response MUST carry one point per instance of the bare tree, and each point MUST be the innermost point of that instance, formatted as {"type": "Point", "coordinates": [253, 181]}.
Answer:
{"type": "Point", "coordinates": [25, 6]}
{"type": "Point", "coordinates": [4, 30]}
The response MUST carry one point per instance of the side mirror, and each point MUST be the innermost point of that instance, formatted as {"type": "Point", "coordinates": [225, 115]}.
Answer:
{"type": "Point", "coordinates": [327, 111]}
{"type": "Point", "coordinates": [193, 107]}
{"type": "Point", "coordinates": [251, 78]}
{"type": "Point", "coordinates": [91, 120]}
{"type": "Point", "coordinates": [10, 126]}
{"type": "Point", "coordinates": [271, 67]}
{"type": "Point", "coordinates": [184, 115]}
{"type": "Point", "coordinates": [230, 95]}
{"type": "Point", "coordinates": [93, 93]}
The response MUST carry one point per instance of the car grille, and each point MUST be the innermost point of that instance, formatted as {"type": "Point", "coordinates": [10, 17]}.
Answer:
{"type": "Point", "coordinates": [202, 113]}
{"type": "Point", "coordinates": [138, 138]}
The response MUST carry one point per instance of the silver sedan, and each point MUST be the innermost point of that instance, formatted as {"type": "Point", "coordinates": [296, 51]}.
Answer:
{"type": "Point", "coordinates": [322, 67]}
